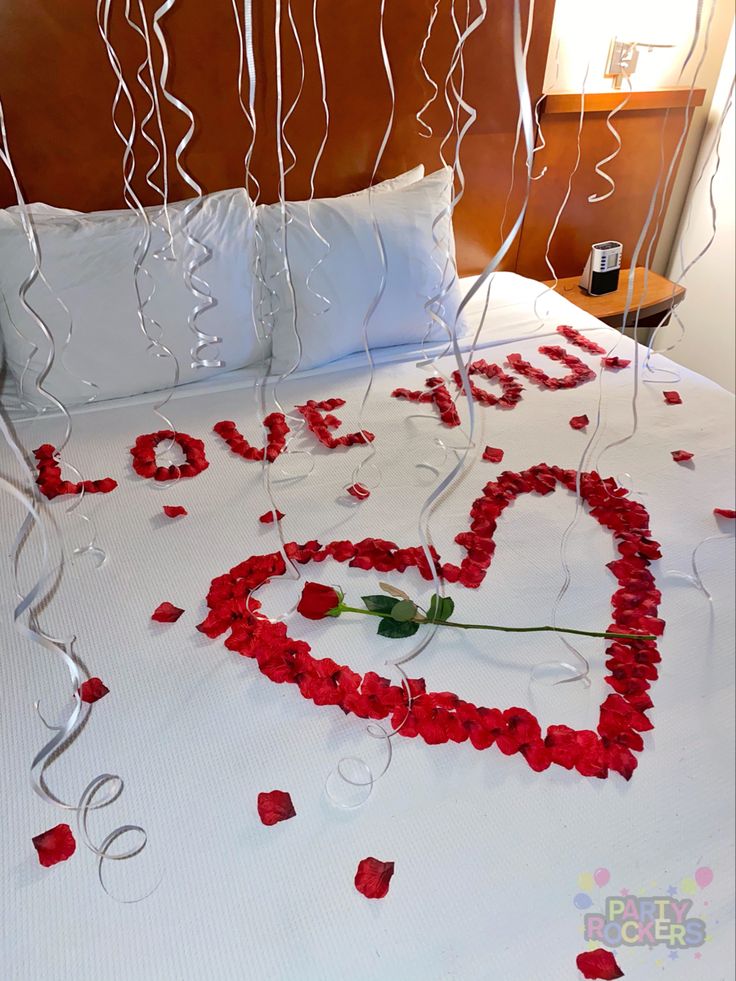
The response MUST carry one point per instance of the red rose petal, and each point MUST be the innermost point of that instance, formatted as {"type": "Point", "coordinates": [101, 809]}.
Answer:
{"type": "Point", "coordinates": [358, 490]}
{"type": "Point", "coordinates": [373, 877]}
{"type": "Point", "coordinates": [493, 454]}
{"type": "Point", "coordinates": [267, 518]}
{"type": "Point", "coordinates": [725, 513]}
{"type": "Point", "coordinates": [174, 511]}
{"type": "Point", "coordinates": [579, 422]}
{"type": "Point", "coordinates": [92, 690]}
{"type": "Point", "coordinates": [55, 845]}
{"type": "Point", "coordinates": [599, 965]}
{"type": "Point", "coordinates": [615, 362]}
{"type": "Point", "coordinates": [166, 613]}
{"type": "Point", "coordinates": [275, 806]}
{"type": "Point", "coordinates": [672, 398]}
{"type": "Point", "coordinates": [681, 456]}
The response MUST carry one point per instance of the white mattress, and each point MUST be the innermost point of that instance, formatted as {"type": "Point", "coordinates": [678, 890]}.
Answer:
{"type": "Point", "coordinates": [487, 853]}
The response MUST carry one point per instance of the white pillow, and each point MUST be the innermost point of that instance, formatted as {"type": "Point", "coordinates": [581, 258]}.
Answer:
{"type": "Point", "coordinates": [348, 274]}
{"type": "Point", "coordinates": [88, 262]}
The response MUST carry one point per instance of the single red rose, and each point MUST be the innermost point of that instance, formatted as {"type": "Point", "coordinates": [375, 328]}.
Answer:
{"type": "Point", "coordinates": [275, 806]}
{"type": "Point", "coordinates": [174, 511]}
{"type": "Point", "coordinates": [55, 845]}
{"type": "Point", "coordinates": [579, 422]}
{"type": "Point", "coordinates": [166, 613]}
{"type": "Point", "coordinates": [682, 456]}
{"type": "Point", "coordinates": [267, 518]}
{"type": "Point", "coordinates": [373, 877]}
{"type": "Point", "coordinates": [724, 513]}
{"type": "Point", "coordinates": [317, 601]}
{"type": "Point", "coordinates": [614, 362]}
{"type": "Point", "coordinates": [359, 490]}
{"type": "Point", "coordinates": [599, 965]}
{"type": "Point", "coordinates": [92, 690]}
{"type": "Point", "coordinates": [672, 398]}
{"type": "Point", "coordinates": [492, 454]}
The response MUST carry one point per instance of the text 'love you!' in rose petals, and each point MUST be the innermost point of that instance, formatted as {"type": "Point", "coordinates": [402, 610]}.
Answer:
{"type": "Point", "coordinates": [599, 965]}
{"type": "Point", "coordinates": [275, 806]}
{"type": "Point", "coordinates": [93, 690]}
{"type": "Point", "coordinates": [166, 613]}
{"type": "Point", "coordinates": [373, 877]}
{"type": "Point", "coordinates": [55, 845]}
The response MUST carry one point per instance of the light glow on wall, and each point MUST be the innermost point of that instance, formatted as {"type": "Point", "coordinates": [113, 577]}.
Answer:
{"type": "Point", "coordinates": [585, 29]}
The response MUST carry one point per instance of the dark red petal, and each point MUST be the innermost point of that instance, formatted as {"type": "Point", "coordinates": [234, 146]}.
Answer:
{"type": "Point", "coordinates": [493, 454]}
{"type": "Point", "coordinates": [166, 613]}
{"type": "Point", "coordinates": [672, 398]}
{"type": "Point", "coordinates": [359, 490]}
{"type": "Point", "coordinates": [55, 845]}
{"type": "Point", "coordinates": [579, 422]}
{"type": "Point", "coordinates": [682, 456]}
{"type": "Point", "coordinates": [173, 511]}
{"type": "Point", "coordinates": [267, 518]}
{"type": "Point", "coordinates": [373, 877]}
{"type": "Point", "coordinates": [275, 806]}
{"type": "Point", "coordinates": [599, 965]}
{"type": "Point", "coordinates": [615, 362]}
{"type": "Point", "coordinates": [725, 513]}
{"type": "Point", "coordinates": [92, 690]}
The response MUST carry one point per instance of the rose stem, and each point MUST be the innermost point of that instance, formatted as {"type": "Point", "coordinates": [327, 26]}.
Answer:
{"type": "Point", "coordinates": [510, 630]}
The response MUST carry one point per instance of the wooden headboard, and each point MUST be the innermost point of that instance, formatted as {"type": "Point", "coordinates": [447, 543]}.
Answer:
{"type": "Point", "coordinates": [57, 87]}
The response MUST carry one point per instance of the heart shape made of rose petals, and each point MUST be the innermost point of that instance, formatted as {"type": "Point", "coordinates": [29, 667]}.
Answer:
{"type": "Point", "coordinates": [439, 717]}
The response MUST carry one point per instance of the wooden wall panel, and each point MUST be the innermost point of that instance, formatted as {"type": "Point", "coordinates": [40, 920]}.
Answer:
{"type": "Point", "coordinates": [649, 135]}
{"type": "Point", "coordinates": [57, 87]}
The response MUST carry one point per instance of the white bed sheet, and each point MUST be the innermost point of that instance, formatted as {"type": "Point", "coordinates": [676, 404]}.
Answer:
{"type": "Point", "coordinates": [487, 853]}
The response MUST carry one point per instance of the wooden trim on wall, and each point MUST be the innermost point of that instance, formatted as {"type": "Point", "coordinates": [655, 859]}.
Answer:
{"type": "Point", "coordinates": [674, 98]}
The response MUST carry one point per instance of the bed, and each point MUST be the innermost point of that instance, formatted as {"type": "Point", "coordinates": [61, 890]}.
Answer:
{"type": "Point", "coordinates": [496, 865]}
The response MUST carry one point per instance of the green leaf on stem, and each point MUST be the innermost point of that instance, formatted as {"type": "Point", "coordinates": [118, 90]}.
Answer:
{"type": "Point", "coordinates": [379, 604]}
{"type": "Point", "coordinates": [393, 628]}
{"type": "Point", "coordinates": [442, 610]}
{"type": "Point", "coordinates": [404, 611]}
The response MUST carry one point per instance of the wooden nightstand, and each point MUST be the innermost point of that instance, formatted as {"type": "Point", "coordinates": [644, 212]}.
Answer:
{"type": "Point", "coordinates": [660, 297]}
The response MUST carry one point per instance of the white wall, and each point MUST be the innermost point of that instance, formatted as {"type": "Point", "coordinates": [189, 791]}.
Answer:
{"type": "Point", "coordinates": [584, 29]}
{"type": "Point", "coordinates": [709, 309]}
